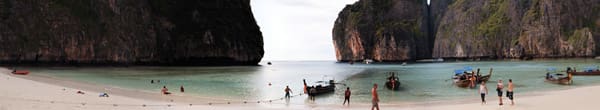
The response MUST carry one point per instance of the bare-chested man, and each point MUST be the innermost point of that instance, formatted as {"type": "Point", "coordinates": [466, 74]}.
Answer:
{"type": "Point", "coordinates": [375, 98]}
{"type": "Point", "coordinates": [509, 92]}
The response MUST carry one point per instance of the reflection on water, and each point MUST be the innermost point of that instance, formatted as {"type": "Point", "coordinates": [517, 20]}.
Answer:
{"type": "Point", "coordinates": [420, 82]}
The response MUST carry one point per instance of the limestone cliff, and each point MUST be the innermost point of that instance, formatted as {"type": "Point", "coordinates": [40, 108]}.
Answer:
{"type": "Point", "coordinates": [518, 29]}
{"type": "Point", "coordinates": [129, 32]}
{"type": "Point", "coordinates": [382, 30]}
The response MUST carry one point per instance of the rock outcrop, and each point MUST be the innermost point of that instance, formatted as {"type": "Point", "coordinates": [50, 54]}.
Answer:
{"type": "Point", "coordinates": [519, 29]}
{"type": "Point", "coordinates": [129, 32]}
{"type": "Point", "coordinates": [382, 30]}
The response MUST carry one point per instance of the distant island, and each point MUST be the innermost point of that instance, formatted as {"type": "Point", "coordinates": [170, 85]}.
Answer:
{"type": "Point", "coordinates": [409, 30]}
{"type": "Point", "coordinates": [129, 32]}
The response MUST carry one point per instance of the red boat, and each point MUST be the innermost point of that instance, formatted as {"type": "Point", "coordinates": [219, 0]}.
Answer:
{"type": "Point", "coordinates": [20, 72]}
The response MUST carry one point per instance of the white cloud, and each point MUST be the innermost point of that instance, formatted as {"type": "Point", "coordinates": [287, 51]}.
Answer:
{"type": "Point", "coordinates": [298, 29]}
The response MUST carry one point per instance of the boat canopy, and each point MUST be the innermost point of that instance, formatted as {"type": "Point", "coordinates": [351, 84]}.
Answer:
{"type": "Point", "coordinates": [459, 71]}
{"type": "Point", "coordinates": [590, 69]}
{"type": "Point", "coordinates": [551, 69]}
{"type": "Point", "coordinates": [468, 68]}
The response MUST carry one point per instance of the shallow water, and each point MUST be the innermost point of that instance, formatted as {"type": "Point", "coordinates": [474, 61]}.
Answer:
{"type": "Point", "coordinates": [421, 82]}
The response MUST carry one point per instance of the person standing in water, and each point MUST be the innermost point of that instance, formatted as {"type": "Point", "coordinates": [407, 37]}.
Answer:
{"type": "Point", "coordinates": [347, 96]}
{"type": "Point", "coordinates": [181, 88]}
{"type": "Point", "coordinates": [287, 91]}
{"type": "Point", "coordinates": [509, 92]}
{"type": "Point", "coordinates": [312, 93]}
{"type": "Point", "coordinates": [499, 88]}
{"type": "Point", "coordinates": [375, 99]}
{"type": "Point", "coordinates": [483, 91]}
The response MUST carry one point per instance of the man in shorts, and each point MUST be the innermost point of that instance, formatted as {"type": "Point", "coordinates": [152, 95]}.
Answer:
{"type": "Point", "coordinates": [509, 92]}
{"type": "Point", "coordinates": [499, 88]}
{"type": "Point", "coordinates": [375, 98]}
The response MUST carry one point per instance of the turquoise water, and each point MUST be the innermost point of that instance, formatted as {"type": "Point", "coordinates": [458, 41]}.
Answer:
{"type": "Point", "coordinates": [421, 82]}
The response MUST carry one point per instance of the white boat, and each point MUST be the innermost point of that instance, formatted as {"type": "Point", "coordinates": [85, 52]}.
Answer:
{"type": "Point", "coordinates": [368, 61]}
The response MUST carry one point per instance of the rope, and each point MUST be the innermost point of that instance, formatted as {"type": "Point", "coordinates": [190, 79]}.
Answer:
{"type": "Point", "coordinates": [153, 105]}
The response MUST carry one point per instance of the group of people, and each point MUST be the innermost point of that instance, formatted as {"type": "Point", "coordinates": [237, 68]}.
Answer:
{"type": "Point", "coordinates": [347, 93]}
{"type": "Point", "coordinates": [165, 91]}
{"type": "Point", "coordinates": [499, 89]}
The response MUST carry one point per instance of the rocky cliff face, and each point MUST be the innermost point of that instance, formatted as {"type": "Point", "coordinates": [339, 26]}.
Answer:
{"type": "Point", "coordinates": [468, 29]}
{"type": "Point", "coordinates": [519, 28]}
{"type": "Point", "coordinates": [144, 32]}
{"type": "Point", "coordinates": [382, 30]}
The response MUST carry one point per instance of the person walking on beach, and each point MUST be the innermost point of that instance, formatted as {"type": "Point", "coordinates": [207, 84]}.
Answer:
{"type": "Point", "coordinates": [509, 92]}
{"type": "Point", "coordinates": [287, 91]}
{"type": "Point", "coordinates": [499, 88]}
{"type": "Point", "coordinates": [483, 91]}
{"type": "Point", "coordinates": [375, 100]}
{"type": "Point", "coordinates": [347, 96]}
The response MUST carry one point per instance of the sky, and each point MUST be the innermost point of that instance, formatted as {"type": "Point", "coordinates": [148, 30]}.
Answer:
{"type": "Point", "coordinates": [296, 30]}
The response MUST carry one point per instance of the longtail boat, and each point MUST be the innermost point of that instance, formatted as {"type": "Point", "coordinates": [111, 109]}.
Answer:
{"type": "Point", "coordinates": [484, 78]}
{"type": "Point", "coordinates": [392, 82]}
{"type": "Point", "coordinates": [320, 87]}
{"type": "Point", "coordinates": [589, 71]}
{"type": "Point", "coordinates": [20, 72]}
{"type": "Point", "coordinates": [463, 77]}
{"type": "Point", "coordinates": [558, 78]}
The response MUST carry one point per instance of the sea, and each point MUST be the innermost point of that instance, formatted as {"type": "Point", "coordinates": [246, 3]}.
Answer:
{"type": "Point", "coordinates": [420, 82]}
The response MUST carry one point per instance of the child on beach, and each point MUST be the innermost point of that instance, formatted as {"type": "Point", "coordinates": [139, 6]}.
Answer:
{"type": "Point", "coordinates": [483, 91]}
{"type": "Point", "coordinates": [347, 96]}
{"type": "Point", "coordinates": [499, 88]}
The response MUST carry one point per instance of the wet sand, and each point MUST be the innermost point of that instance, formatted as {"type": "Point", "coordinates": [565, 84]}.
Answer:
{"type": "Point", "coordinates": [34, 92]}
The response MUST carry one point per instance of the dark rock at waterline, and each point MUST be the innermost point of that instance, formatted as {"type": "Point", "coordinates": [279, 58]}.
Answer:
{"type": "Point", "coordinates": [129, 32]}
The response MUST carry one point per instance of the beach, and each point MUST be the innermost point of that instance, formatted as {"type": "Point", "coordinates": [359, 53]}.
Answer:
{"type": "Point", "coordinates": [31, 92]}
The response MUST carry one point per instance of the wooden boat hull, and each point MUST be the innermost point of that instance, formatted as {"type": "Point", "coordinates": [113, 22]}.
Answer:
{"type": "Point", "coordinates": [395, 87]}
{"type": "Point", "coordinates": [462, 83]}
{"type": "Point", "coordinates": [21, 72]}
{"type": "Point", "coordinates": [321, 90]}
{"type": "Point", "coordinates": [565, 80]}
{"type": "Point", "coordinates": [586, 73]}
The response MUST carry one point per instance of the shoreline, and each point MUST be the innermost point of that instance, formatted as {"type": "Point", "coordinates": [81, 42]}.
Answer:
{"type": "Point", "coordinates": [182, 101]}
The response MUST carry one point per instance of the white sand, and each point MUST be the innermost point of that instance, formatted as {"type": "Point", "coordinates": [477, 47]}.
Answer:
{"type": "Point", "coordinates": [23, 93]}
